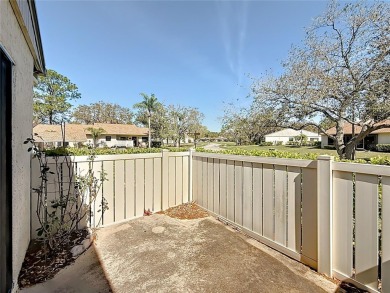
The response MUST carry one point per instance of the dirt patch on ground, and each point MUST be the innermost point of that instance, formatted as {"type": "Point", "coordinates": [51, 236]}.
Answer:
{"type": "Point", "coordinates": [38, 267]}
{"type": "Point", "coordinates": [186, 211]}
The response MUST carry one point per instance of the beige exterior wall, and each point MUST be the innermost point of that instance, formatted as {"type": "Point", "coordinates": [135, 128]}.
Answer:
{"type": "Point", "coordinates": [383, 138]}
{"type": "Point", "coordinates": [12, 39]}
{"type": "Point", "coordinates": [286, 139]}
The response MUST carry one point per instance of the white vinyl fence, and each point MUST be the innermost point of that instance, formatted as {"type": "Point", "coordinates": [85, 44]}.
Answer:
{"type": "Point", "coordinates": [272, 200]}
{"type": "Point", "coordinates": [334, 217]}
{"type": "Point", "coordinates": [134, 183]}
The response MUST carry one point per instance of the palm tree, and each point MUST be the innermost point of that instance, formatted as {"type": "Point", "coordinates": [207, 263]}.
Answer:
{"type": "Point", "coordinates": [149, 105]}
{"type": "Point", "coordinates": [95, 133]}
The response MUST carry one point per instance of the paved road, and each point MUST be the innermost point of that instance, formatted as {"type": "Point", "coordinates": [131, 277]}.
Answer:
{"type": "Point", "coordinates": [213, 147]}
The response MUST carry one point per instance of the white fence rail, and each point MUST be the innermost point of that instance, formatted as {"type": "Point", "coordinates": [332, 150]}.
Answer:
{"type": "Point", "coordinates": [134, 183]}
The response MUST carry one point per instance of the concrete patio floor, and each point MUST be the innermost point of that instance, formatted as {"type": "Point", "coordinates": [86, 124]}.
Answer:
{"type": "Point", "coordinates": [161, 254]}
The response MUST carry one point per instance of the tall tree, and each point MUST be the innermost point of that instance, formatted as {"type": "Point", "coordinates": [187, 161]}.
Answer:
{"type": "Point", "coordinates": [102, 112]}
{"type": "Point", "coordinates": [148, 105]}
{"type": "Point", "coordinates": [183, 121]}
{"type": "Point", "coordinates": [52, 98]}
{"type": "Point", "coordinates": [340, 73]}
{"type": "Point", "coordinates": [159, 122]}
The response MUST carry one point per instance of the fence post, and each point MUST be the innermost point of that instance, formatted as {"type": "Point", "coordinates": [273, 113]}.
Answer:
{"type": "Point", "coordinates": [164, 179]}
{"type": "Point", "coordinates": [190, 175]}
{"type": "Point", "coordinates": [324, 213]}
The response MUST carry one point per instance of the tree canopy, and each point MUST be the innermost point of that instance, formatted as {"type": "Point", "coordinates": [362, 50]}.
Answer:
{"type": "Point", "coordinates": [340, 74]}
{"type": "Point", "coordinates": [102, 112]}
{"type": "Point", "coordinates": [52, 96]}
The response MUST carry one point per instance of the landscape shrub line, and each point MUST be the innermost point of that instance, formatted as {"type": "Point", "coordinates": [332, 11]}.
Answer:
{"type": "Point", "coordinates": [377, 160]}
{"type": "Point", "coordinates": [108, 151]}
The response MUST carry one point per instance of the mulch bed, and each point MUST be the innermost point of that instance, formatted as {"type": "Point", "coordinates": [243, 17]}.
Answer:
{"type": "Point", "coordinates": [38, 268]}
{"type": "Point", "coordinates": [186, 211]}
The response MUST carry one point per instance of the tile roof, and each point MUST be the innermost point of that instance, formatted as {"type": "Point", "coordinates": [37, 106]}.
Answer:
{"type": "Point", "coordinates": [78, 132]}
{"type": "Point", "coordinates": [53, 133]}
{"type": "Point", "coordinates": [126, 129]}
{"type": "Point", "coordinates": [348, 129]}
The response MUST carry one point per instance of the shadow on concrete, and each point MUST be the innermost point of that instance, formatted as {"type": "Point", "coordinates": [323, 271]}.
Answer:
{"type": "Point", "coordinates": [86, 274]}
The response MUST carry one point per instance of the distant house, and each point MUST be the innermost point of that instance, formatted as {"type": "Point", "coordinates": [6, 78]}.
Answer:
{"type": "Point", "coordinates": [380, 136]}
{"type": "Point", "coordinates": [289, 135]}
{"type": "Point", "coordinates": [114, 135]}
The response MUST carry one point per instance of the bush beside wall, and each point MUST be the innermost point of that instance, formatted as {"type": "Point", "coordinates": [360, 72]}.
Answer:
{"type": "Point", "coordinates": [383, 148]}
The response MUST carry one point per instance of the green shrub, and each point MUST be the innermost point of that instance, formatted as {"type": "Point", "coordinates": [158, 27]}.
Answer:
{"type": "Point", "coordinates": [317, 144]}
{"type": "Point", "coordinates": [265, 143]}
{"type": "Point", "coordinates": [177, 149]}
{"type": "Point", "coordinates": [329, 147]}
{"type": "Point", "coordinates": [383, 148]}
{"type": "Point", "coordinates": [379, 160]}
{"type": "Point", "coordinates": [98, 151]}
{"type": "Point", "coordinates": [279, 142]}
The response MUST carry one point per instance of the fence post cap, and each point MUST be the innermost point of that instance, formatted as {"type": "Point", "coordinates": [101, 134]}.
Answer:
{"type": "Point", "coordinates": [325, 158]}
{"type": "Point", "coordinates": [164, 150]}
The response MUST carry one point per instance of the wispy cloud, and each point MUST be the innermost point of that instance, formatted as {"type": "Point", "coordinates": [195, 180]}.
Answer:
{"type": "Point", "coordinates": [233, 19]}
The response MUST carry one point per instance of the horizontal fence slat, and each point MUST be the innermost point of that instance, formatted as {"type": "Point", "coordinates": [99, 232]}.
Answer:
{"type": "Point", "coordinates": [368, 169]}
{"type": "Point", "coordinates": [342, 222]}
{"type": "Point", "coordinates": [261, 160]}
{"type": "Point", "coordinates": [100, 158]}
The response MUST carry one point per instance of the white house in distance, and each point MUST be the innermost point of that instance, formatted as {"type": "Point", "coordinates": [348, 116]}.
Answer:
{"type": "Point", "coordinates": [114, 135]}
{"type": "Point", "coordinates": [288, 135]}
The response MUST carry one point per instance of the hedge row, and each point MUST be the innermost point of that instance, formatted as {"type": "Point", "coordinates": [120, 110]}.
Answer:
{"type": "Point", "coordinates": [383, 148]}
{"type": "Point", "coordinates": [108, 151]}
{"type": "Point", "coordinates": [377, 160]}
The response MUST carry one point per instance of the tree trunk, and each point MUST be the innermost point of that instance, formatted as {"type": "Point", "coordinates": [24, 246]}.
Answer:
{"type": "Point", "coordinates": [150, 136]}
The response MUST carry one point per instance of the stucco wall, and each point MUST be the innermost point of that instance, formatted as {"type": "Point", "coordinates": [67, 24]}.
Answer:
{"type": "Point", "coordinates": [285, 139]}
{"type": "Point", "coordinates": [12, 39]}
{"type": "Point", "coordinates": [383, 138]}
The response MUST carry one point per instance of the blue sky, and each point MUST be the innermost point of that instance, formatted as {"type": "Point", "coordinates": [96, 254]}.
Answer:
{"type": "Point", "coordinates": [193, 53]}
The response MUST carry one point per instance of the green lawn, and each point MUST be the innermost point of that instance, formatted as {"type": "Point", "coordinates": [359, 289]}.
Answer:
{"type": "Point", "coordinates": [302, 150]}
